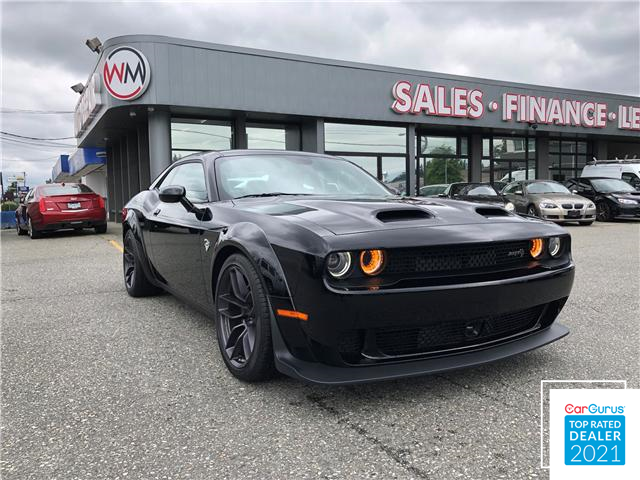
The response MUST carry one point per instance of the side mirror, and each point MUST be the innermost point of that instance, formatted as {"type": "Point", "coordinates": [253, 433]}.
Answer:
{"type": "Point", "coordinates": [442, 195]}
{"type": "Point", "coordinates": [518, 192]}
{"type": "Point", "coordinates": [172, 194]}
{"type": "Point", "coordinates": [178, 194]}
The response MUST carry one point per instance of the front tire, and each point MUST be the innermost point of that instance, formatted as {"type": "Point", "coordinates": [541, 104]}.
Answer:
{"type": "Point", "coordinates": [101, 228]}
{"type": "Point", "coordinates": [243, 321]}
{"type": "Point", "coordinates": [603, 212]}
{"type": "Point", "coordinates": [531, 210]}
{"type": "Point", "coordinates": [135, 279]}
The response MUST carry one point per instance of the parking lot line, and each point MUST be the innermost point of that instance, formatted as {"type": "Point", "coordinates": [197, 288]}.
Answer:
{"type": "Point", "coordinates": [117, 246]}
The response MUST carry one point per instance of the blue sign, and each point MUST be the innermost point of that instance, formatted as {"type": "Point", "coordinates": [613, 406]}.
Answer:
{"type": "Point", "coordinates": [23, 189]}
{"type": "Point", "coordinates": [594, 440]}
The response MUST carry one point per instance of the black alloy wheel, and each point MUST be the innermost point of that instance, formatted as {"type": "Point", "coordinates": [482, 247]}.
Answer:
{"type": "Point", "coordinates": [135, 279]}
{"type": "Point", "coordinates": [531, 210]}
{"type": "Point", "coordinates": [603, 212]}
{"type": "Point", "coordinates": [243, 321]}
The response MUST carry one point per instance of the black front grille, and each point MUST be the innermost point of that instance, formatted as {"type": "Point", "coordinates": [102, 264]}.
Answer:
{"type": "Point", "coordinates": [454, 334]}
{"type": "Point", "coordinates": [567, 206]}
{"type": "Point", "coordinates": [455, 258]}
{"type": "Point", "coordinates": [578, 206]}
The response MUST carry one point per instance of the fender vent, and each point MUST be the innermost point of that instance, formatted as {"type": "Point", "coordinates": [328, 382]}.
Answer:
{"type": "Point", "coordinates": [492, 212]}
{"type": "Point", "coordinates": [402, 215]}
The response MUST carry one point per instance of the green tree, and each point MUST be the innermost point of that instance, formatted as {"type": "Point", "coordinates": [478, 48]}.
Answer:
{"type": "Point", "coordinates": [444, 169]}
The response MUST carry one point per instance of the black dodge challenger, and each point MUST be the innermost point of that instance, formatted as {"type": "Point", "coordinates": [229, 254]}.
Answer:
{"type": "Point", "coordinates": [312, 267]}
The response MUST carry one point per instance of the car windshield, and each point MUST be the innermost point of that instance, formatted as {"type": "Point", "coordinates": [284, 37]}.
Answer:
{"type": "Point", "coordinates": [68, 189]}
{"type": "Point", "coordinates": [272, 174]}
{"type": "Point", "coordinates": [609, 185]}
{"type": "Point", "coordinates": [474, 189]}
{"type": "Point", "coordinates": [547, 187]}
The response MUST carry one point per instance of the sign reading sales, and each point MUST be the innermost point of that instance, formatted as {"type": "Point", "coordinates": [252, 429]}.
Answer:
{"type": "Point", "coordinates": [464, 103]}
{"type": "Point", "coordinates": [126, 73]}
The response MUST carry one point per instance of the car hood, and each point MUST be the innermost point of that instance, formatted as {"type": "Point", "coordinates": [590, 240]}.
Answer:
{"type": "Point", "coordinates": [482, 199]}
{"type": "Point", "coordinates": [557, 198]}
{"type": "Point", "coordinates": [628, 195]}
{"type": "Point", "coordinates": [360, 215]}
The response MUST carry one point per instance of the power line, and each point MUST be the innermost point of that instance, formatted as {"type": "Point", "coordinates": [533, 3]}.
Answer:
{"type": "Point", "coordinates": [35, 138]}
{"type": "Point", "coordinates": [36, 112]}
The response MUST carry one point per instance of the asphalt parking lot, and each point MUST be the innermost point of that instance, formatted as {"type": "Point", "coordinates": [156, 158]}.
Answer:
{"type": "Point", "coordinates": [96, 384]}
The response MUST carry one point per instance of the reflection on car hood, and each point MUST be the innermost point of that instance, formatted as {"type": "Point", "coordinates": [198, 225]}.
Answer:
{"type": "Point", "coordinates": [358, 215]}
{"type": "Point", "coordinates": [557, 198]}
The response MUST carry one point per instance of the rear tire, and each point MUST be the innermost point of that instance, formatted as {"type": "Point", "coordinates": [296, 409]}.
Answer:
{"type": "Point", "coordinates": [101, 228]}
{"type": "Point", "coordinates": [135, 279]}
{"type": "Point", "coordinates": [243, 321]}
{"type": "Point", "coordinates": [32, 231]}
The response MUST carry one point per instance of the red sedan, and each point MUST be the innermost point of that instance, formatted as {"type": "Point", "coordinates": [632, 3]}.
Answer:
{"type": "Point", "coordinates": [58, 206]}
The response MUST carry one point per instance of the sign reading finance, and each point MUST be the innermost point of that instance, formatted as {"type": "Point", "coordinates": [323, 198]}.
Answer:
{"type": "Point", "coordinates": [462, 102]}
{"type": "Point", "coordinates": [88, 105]}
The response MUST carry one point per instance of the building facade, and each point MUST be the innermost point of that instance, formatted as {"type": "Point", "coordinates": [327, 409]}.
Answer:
{"type": "Point", "coordinates": [151, 100]}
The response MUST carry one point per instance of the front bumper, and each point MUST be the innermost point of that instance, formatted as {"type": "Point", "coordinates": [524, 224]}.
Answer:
{"type": "Point", "coordinates": [628, 211]}
{"type": "Point", "coordinates": [568, 215]}
{"type": "Point", "coordinates": [331, 375]}
{"type": "Point", "coordinates": [314, 350]}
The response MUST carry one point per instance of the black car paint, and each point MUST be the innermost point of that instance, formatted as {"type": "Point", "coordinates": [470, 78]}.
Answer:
{"type": "Point", "coordinates": [288, 239]}
{"type": "Point", "coordinates": [585, 188]}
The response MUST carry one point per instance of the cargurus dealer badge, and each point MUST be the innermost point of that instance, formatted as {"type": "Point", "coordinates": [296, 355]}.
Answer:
{"type": "Point", "coordinates": [594, 433]}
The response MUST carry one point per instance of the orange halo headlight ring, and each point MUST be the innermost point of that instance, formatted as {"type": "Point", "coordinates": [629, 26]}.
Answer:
{"type": "Point", "coordinates": [372, 261]}
{"type": "Point", "coordinates": [535, 248]}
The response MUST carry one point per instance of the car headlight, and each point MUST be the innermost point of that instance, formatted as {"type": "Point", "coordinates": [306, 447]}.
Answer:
{"type": "Point", "coordinates": [554, 246]}
{"type": "Point", "coordinates": [535, 247]}
{"type": "Point", "coordinates": [372, 261]}
{"type": "Point", "coordinates": [627, 201]}
{"type": "Point", "coordinates": [591, 205]}
{"type": "Point", "coordinates": [548, 205]}
{"type": "Point", "coordinates": [339, 264]}
{"type": "Point", "coordinates": [510, 207]}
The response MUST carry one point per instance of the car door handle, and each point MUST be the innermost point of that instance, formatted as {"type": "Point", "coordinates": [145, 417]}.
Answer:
{"type": "Point", "coordinates": [156, 212]}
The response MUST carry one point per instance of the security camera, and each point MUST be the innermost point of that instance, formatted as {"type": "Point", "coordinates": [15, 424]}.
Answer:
{"type": "Point", "coordinates": [78, 88]}
{"type": "Point", "coordinates": [94, 44]}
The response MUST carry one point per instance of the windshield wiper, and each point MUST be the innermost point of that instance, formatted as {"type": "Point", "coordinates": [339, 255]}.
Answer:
{"type": "Point", "coordinates": [270, 194]}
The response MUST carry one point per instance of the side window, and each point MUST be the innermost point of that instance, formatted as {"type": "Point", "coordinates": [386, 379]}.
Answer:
{"type": "Point", "coordinates": [511, 188]}
{"type": "Point", "coordinates": [29, 196]}
{"type": "Point", "coordinates": [584, 185]}
{"type": "Point", "coordinates": [631, 179]}
{"type": "Point", "coordinates": [191, 177]}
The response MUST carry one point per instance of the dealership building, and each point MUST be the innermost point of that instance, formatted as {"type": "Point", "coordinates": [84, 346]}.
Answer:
{"type": "Point", "coordinates": [151, 100]}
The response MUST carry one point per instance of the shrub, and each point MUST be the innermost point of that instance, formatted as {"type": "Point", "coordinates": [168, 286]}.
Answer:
{"type": "Point", "coordinates": [9, 206]}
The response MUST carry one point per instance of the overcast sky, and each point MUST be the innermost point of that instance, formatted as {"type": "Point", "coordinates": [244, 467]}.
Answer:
{"type": "Point", "coordinates": [591, 46]}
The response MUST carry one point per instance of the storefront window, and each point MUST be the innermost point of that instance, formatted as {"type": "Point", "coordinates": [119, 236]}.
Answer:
{"type": "Point", "coordinates": [442, 160]}
{"type": "Point", "coordinates": [190, 136]}
{"type": "Point", "coordinates": [343, 137]}
{"type": "Point", "coordinates": [506, 159]}
{"type": "Point", "coordinates": [567, 158]}
{"type": "Point", "coordinates": [268, 137]}
{"type": "Point", "coordinates": [380, 150]}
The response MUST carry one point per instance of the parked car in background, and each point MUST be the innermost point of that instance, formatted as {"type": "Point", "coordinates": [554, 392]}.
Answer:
{"type": "Point", "coordinates": [499, 185]}
{"type": "Point", "coordinates": [627, 170]}
{"type": "Point", "coordinates": [59, 206]}
{"type": "Point", "coordinates": [433, 190]}
{"type": "Point", "coordinates": [476, 192]}
{"type": "Point", "coordinates": [319, 271]}
{"type": "Point", "coordinates": [613, 197]}
{"type": "Point", "coordinates": [551, 201]}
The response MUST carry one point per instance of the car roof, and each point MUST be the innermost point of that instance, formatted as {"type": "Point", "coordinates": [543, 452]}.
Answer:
{"type": "Point", "coordinates": [246, 152]}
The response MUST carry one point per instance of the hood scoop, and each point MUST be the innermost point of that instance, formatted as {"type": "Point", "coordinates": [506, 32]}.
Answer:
{"type": "Point", "coordinates": [402, 215]}
{"type": "Point", "coordinates": [492, 212]}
